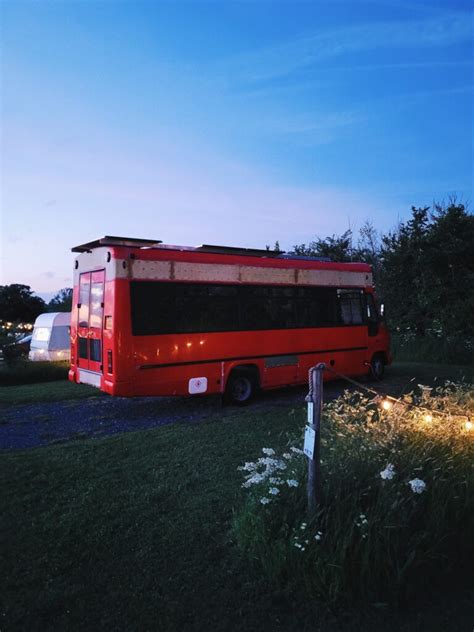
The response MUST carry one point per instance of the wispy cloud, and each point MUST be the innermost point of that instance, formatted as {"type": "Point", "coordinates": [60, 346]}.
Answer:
{"type": "Point", "coordinates": [303, 53]}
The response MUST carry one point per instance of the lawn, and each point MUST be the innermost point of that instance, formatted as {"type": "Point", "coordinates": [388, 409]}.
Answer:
{"type": "Point", "coordinates": [134, 532]}
{"type": "Point", "coordinates": [45, 392]}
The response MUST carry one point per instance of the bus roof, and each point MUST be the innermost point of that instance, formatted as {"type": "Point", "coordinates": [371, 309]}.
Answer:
{"type": "Point", "coordinates": [147, 244]}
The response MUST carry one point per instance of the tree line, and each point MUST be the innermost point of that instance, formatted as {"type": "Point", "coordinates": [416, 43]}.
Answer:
{"type": "Point", "coordinates": [18, 303]}
{"type": "Point", "coordinates": [423, 269]}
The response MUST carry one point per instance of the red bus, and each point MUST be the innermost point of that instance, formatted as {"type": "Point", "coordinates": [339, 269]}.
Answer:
{"type": "Point", "coordinates": [152, 319]}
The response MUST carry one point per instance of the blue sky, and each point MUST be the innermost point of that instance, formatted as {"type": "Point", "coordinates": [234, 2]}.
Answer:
{"type": "Point", "coordinates": [232, 123]}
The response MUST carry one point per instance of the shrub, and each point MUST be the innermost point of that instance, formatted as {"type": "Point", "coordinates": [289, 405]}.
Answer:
{"type": "Point", "coordinates": [396, 514]}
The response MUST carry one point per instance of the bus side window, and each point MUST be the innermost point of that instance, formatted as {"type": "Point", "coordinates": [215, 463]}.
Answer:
{"type": "Point", "coordinates": [350, 307]}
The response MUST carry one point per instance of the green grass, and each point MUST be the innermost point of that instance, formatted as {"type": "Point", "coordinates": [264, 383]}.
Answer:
{"type": "Point", "coordinates": [26, 372]}
{"type": "Point", "coordinates": [133, 532]}
{"type": "Point", "coordinates": [46, 392]}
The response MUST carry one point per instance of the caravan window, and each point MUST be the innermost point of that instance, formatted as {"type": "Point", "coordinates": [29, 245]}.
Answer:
{"type": "Point", "coordinates": [41, 334]}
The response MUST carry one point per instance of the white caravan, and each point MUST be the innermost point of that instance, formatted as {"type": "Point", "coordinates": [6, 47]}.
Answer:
{"type": "Point", "coordinates": [51, 340]}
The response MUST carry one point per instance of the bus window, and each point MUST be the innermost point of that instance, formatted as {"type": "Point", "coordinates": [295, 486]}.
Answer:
{"type": "Point", "coordinates": [84, 293]}
{"type": "Point", "coordinates": [350, 307]}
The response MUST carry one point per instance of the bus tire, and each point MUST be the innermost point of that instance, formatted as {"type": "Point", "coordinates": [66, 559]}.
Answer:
{"type": "Point", "coordinates": [240, 388]}
{"type": "Point", "coordinates": [377, 367]}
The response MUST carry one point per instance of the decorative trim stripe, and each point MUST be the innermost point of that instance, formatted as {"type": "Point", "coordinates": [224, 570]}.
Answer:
{"type": "Point", "coordinates": [245, 358]}
{"type": "Point", "coordinates": [186, 271]}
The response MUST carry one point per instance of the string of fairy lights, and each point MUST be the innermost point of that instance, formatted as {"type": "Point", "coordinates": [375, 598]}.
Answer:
{"type": "Point", "coordinates": [387, 402]}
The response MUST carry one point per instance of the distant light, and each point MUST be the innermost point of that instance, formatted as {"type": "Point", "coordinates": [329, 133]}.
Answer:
{"type": "Point", "coordinates": [428, 418]}
{"type": "Point", "coordinates": [386, 405]}
{"type": "Point", "coordinates": [189, 344]}
{"type": "Point", "coordinates": [468, 425]}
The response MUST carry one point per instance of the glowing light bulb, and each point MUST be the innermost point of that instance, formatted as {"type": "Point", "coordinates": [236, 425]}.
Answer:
{"type": "Point", "coordinates": [386, 405]}
{"type": "Point", "coordinates": [428, 418]}
{"type": "Point", "coordinates": [468, 425]}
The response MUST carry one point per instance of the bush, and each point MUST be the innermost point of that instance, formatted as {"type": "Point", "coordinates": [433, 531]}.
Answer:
{"type": "Point", "coordinates": [25, 372]}
{"type": "Point", "coordinates": [397, 510]}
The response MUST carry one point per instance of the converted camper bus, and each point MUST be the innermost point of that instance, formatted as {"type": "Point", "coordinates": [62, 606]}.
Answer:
{"type": "Point", "coordinates": [153, 319]}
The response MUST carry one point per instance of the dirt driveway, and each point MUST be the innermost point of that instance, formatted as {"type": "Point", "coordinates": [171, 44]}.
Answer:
{"type": "Point", "coordinates": [46, 423]}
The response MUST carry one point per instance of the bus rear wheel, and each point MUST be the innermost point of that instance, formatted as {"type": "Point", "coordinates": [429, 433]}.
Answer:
{"type": "Point", "coordinates": [240, 388]}
{"type": "Point", "coordinates": [377, 367]}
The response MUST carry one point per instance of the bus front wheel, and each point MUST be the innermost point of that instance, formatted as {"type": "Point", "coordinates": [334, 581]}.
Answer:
{"type": "Point", "coordinates": [240, 388]}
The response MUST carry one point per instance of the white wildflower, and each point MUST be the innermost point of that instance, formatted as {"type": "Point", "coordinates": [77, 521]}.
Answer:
{"type": "Point", "coordinates": [417, 485]}
{"type": "Point", "coordinates": [248, 467]}
{"type": "Point", "coordinates": [388, 473]}
{"type": "Point", "coordinates": [273, 491]}
{"type": "Point", "coordinates": [265, 500]}
{"type": "Point", "coordinates": [287, 455]}
{"type": "Point", "coordinates": [267, 461]}
{"type": "Point", "coordinates": [275, 481]}
{"type": "Point", "coordinates": [253, 480]}
{"type": "Point", "coordinates": [318, 536]}
{"type": "Point", "coordinates": [296, 450]}
{"type": "Point", "coordinates": [292, 483]}
{"type": "Point", "coordinates": [303, 525]}
{"type": "Point", "coordinates": [268, 451]}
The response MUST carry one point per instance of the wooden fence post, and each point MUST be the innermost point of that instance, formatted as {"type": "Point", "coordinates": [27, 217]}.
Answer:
{"type": "Point", "coordinates": [313, 437]}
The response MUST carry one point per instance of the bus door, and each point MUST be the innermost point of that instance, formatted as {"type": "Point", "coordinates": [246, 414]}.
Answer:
{"type": "Point", "coordinates": [89, 332]}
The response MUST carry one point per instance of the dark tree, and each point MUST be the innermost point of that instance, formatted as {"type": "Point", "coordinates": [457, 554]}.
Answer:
{"type": "Point", "coordinates": [335, 248]}
{"type": "Point", "coordinates": [62, 302]}
{"type": "Point", "coordinates": [427, 271]}
{"type": "Point", "coordinates": [18, 304]}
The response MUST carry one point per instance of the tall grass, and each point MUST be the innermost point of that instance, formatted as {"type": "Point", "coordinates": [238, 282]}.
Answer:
{"type": "Point", "coordinates": [430, 348]}
{"type": "Point", "coordinates": [378, 537]}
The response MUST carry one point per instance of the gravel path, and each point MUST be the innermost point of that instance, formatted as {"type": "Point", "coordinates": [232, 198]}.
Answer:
{"type": "Point", "coordinates": [32, 425]}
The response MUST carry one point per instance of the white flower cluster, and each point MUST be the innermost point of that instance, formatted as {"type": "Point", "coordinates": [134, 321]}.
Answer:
{"type": "Point", "coordinates": [417, 485]}
{"type": "Point", "coordinates": [388, 473]}
{"type": "Point", "coordinates": [296, 450]}
{"type": "Point", "coordinates": [361, 521]}
{"type": "Point", "coordinates": [266, 470]}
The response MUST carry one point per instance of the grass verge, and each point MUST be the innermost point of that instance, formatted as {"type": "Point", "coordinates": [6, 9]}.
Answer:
{"type": "Point", "coordinates": [442, 350]}
{"type": "Point", "coordinates": [396, 505]}
{"type": "Point", "coordinates": [46, 392]}
{"type": "Point", "coordinates": [26, 372]}
{"type": "Point", "coordinates": [133, 532]}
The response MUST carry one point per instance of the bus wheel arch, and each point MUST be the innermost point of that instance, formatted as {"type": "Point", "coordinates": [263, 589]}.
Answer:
{"type": "Point", "coordinates": [242, 383]}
